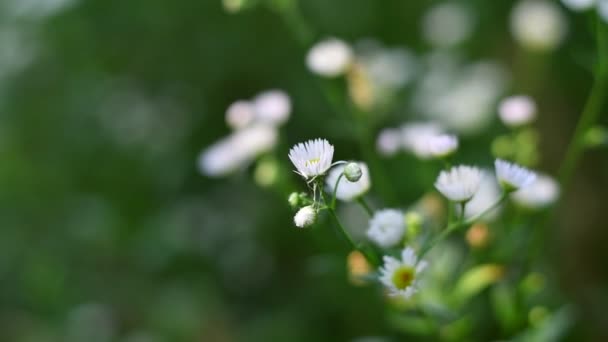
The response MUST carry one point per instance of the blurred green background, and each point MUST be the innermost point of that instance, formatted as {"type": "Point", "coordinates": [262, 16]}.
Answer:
{"type": "Point", "coordinates": [109, 232]}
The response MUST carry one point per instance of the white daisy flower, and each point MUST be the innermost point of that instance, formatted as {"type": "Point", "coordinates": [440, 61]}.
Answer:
{"type": "Point", "coordinates": [312, 158]}
{"type": "Point", "coordinates": [272, 107]}
{"type": "Point", "coordinates": [460, 183]}
{"type": "Point", "coordinates": [442, 145]}
{"type": "Point", "coordinates": [240, 114]}
{"type": "Point", "coordinates": [348, 191]}
{"type": "Point", "coordinates": [401, 277]}
{"type": "Point", "coordinates": [305, 217]}
{"type": "Point", "coordinates": [540, 194]}
{"type": "Point", "coordinates": [513, 177]}
{"type": "Point", "coordinates": [386, 227]}
{"type": "Point", "coordinates": [538, 24]}
{"type": "Point", "coordinates": [237, 150]}
{"type": "Point", "coordinates": [517, 110]}
{"type": "Point", "coordinates": [329, 58]}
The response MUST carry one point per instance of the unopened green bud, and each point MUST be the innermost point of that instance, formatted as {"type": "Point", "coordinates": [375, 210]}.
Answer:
{"type": "Point", "coordinates": [413, 222]}
{"type": "Point", "coordinates": [352, 172]}
{"type": "Point", "coordinates": [294, 200]}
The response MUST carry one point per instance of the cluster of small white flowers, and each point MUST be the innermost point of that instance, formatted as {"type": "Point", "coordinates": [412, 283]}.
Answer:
{"type": "Point", "coordinates": [255, 123]}
{"type": "Point", "coordinates": [462, 183]}
{"type": "Point", "coordinates": [423, 139]}
{"type": "Point", "coordinates": [271, 107]}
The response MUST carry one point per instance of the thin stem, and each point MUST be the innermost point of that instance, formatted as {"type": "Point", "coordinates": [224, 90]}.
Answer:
{"type": "Point", "coordinates": [460, 224]}
{"type": "Point", "coordinates": [361, 200]}
{"type": "Point", "coordinates": [333, 200]}
{"type": "Point", "coordinates": [591, 111]}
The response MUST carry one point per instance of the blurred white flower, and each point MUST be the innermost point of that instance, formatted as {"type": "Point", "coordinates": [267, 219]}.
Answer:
{"type": "Point", "coordinates": [240, 114]}
{"type": "Point", "coordinates": [602, 8]}
{"type": "Point", "coordinates": [312, 158]}
{"type": "Point", "coordinates": [386, 227]}
{"type": "Point", "coordinates": [460, 183]}
{"type": "Point", "coordinates": [447, 24]}
{"type": "Point", "coordinates": [347, 190]}
{"type": "Point", "coordinates": [416, 136]}
{"type": "Point", "coordinates": [237, 150]}
{"type": "Point", "coordinates": [272, 107]}
{"type": "Point", "coordinates": [401, 277]}
{"type": "Point", "coordinates": [305, 217]}
{"type": "Point", "coordinates": [329, 58]}
{"type": "Point", "coordinates": [378, 73]}
{"type": "Point", "coordinates": [579, 5]}
{"type": "Point", "coordinates": [36, 9]}
{"type": "Point", "coordinates": [540, 194]}
{"type": "Point", "coordinates": [489, 193]}
{"type": "Point", "coordinates": [389, 68]}
{"type": "Point", "coordinates": [512, 176]}
{"type": "Point", "coordinates": [442, 145]}
{"type": "Point", "coordinates": [389, 141]}
{"type": "Point", "coordinates": [517, 110]}
{"type": "Point", "coordinates": [460, 97]}
{"type": "Point", "coordinates": [538, 24]}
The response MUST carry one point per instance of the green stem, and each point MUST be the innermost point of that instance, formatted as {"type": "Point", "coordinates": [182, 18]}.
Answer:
{"type": "Point", "coordinates": [365, 206]}
{"type": "Point", "coordinates": [591, 111]}
{"type": "Point", "coordinates": [333, 200]}
{"type": "Point", "coordinates": [460, 224]}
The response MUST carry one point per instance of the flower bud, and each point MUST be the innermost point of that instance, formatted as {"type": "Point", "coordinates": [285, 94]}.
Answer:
{"type": "Point", "coordinates": [294, 199]}
{"type": "Point", "coordinates": [413, 221]}
{"type": "Point", "coordinates": [305, 217]}
{"type": "Point", "coordinates": [352, 172]}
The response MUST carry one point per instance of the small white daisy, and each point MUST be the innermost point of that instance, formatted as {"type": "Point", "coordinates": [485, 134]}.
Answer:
{"type": "Point", "coordinates": [460, 183]}
{"type": "Point", "coordinates": [517, 110]}
{"type": "Point", "coordinates": [312, 158]}
{"type": "Point", "coordinates": [348, 191]}
{"type": "Point", "coordinates": [272, 107]}
{"type": "Point", "coordinates": [386, 228]}
{"type": "Point", "coordinates": [329, 58]}
{"type": "Point", "coordinates": [513, 177]}
{"type": "Point", "coordinates": [305, 217]}
{"type": "Point", "coordinates": [442, 145]}
{"type": "Point", "coordinates": [540, 194]}
{"type": "Point", "coordinates": [401, 277]}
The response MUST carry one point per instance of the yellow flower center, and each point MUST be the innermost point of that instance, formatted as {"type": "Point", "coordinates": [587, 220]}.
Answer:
{"type": "Point", "coordinates": [403, 277]}
{"type": "Point", "coordinates": [313, 161]}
